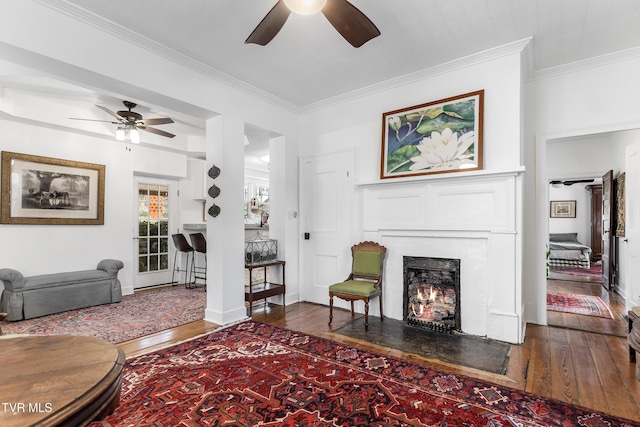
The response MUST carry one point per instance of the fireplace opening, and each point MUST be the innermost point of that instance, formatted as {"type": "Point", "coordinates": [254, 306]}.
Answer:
{"type": "Point", "coordinates": [432, 293]}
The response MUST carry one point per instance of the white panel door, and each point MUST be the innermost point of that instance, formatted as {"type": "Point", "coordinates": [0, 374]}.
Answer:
{"type": "Point", "coordinates": [326, 197]}
{"type": "Point", "coordinates": [632, 224]}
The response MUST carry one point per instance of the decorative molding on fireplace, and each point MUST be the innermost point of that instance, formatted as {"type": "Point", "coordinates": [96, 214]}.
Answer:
{"type": "Point", "coordinates": [489, 297]}
{"type": "Point", "coordinates": [475, 218]}
{"type": "Point", "coordinates": [484, 203]}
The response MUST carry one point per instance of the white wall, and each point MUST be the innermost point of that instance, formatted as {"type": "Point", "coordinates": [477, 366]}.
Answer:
{"type": "Point", "coordinates": [40, 249]}
{"type": "Point", "coordinates": [574, 101]}
{"type": "Point", "coordinates": [581, 224]}
{"type": "Point", "coordinates": [475, 217]}
{"type": "Point", "coordinates": [88, 61]}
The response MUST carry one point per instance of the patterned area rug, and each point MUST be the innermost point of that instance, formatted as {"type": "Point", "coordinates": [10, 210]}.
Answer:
{"type": "Point", "coordinates": [595, 271]}
{"type": "Point", "coordinates": [140, 314]}
{"type": "Point", "coordinates": [578, 304]}
{"type": "Point", "coordinates": [252, 374]}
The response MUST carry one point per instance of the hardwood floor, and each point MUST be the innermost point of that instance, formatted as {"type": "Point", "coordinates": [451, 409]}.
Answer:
{"type": "Point", "coordinates": [616, 326]}
{"type": "Point", "coordinates": [583, 368]}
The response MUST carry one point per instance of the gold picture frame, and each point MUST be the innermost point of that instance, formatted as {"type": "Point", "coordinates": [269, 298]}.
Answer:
{"type": "Point", "coordinates": [563, 209]}
{"type": "Point", "coordinates": [45, 190]}
{"type": "Point", "coordinates": [437, 137]}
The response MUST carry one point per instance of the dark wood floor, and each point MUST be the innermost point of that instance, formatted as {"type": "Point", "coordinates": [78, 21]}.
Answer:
{"type": "Point", "coordinates": [575, 366]}
{"type": "Point", "coordinates": [586, 286]}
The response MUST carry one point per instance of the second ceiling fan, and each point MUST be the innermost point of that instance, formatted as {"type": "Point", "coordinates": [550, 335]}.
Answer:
{"type": "Point", "coordinates": [347, 19]}
{"type": "Point", "coordinates": [129, 122]}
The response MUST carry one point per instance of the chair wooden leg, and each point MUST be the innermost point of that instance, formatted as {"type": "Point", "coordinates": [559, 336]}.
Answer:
{"type": "Point", "coordinates": [352, 312]}
{"type": "Point", "coordinates": [330, 309]}
{"type": "Point", "coordinates": [366, 316]}
{"type": "Point", "coordinates": [381, 314]}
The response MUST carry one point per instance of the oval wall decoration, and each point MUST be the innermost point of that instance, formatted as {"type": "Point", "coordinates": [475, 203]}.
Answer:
{"type": "Point", "coordinates": [214, 172]}
{"type": "Point", "coordinates": [214, 191]}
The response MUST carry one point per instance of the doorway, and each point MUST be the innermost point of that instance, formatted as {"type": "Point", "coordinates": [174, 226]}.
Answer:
{"type": "Point", "coordinates": [154, 214]}
{"type": "Point", "coordinates": [573, 182]}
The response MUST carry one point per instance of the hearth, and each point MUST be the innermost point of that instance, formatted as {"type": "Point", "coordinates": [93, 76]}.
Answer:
{"type": "Point", "coordinates": [432, 293]}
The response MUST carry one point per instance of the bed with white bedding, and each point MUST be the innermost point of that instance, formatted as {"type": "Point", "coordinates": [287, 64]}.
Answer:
{"type": "Point", "coordinates": [566, 251]}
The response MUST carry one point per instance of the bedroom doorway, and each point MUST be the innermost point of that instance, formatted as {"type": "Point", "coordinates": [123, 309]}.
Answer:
{"type": "Point", "coordinates": [576, 277]}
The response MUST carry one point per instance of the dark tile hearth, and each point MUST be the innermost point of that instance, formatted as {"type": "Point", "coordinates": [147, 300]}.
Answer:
{"type": "Point", "coordinates": [459, 349]}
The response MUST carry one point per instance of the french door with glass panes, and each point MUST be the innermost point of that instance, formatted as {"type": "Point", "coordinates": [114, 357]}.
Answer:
{"type": "Point", "coordinates": [155, 201]}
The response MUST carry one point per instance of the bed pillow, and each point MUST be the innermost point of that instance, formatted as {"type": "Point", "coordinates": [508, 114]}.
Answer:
{"type": "Point", "coordinates": [563, 237]}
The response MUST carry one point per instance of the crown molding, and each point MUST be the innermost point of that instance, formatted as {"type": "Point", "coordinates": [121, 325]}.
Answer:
{"type": "Point", "coordinates": [523, 46]}
{"type": "Point", "coordinates": [586, 64]}
{"type": "Point", "coordinates": [445, 68]}
{"type": "Point", "coordinates": [113, 29]}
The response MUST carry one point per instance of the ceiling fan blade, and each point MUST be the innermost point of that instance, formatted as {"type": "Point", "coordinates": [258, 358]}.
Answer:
{"type": "Point", "coordinates": [156, 131]}
{"type": "Point", "coordinates": [350, 22]}
{"type": "Point", "coordinates": [114, 114]}
{"type": "Point", "coordinates": [158, 121]}
{"type": "Point", "coordinates": [270, 25]}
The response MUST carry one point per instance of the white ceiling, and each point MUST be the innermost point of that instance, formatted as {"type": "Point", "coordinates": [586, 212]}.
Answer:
{"type": "Point", "coordinates": [309, 62]}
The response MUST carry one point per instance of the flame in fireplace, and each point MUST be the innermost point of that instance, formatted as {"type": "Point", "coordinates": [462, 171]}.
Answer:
{"type": "Point", "coordinates": [432, 303]}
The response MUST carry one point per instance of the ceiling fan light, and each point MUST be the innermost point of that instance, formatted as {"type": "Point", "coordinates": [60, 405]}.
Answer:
{"type": "Point", "coordinates": [305, 7]}
{"type": "Point", "coordinates": [120, 134]}
{"type": "Point", "coordinates": [134, 136]}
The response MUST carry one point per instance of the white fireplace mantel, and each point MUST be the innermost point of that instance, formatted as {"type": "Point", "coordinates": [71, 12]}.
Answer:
{"type": "Point", "coordinates": [474, 217]}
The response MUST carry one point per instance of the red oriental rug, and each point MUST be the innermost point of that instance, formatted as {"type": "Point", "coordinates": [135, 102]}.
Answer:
{"type": "Point", "coordinates": [595, 271]}
{"type": "Point", "coordinates": [137, 315]}
{"type": "Point", "coordinates": [578, 304]}
{"type": "Point", "coordinates": [254, 374]}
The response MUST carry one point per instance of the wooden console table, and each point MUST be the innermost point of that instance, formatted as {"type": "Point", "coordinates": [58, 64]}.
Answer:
{"type": "Point", "coordinates": [257, 291]}
{"type": "Point", "coordinates": [58, 380]}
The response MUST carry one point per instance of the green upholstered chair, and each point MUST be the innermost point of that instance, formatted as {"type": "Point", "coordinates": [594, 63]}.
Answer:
{"type": "Point", "coordinates": [365, 280]}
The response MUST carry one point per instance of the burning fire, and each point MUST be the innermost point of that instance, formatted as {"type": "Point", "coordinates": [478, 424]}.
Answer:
{"type": "Point", "coordinates": [432, 304]}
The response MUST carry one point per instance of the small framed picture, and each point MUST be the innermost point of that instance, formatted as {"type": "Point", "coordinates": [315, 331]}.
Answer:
{"type": "Point", "coordinates": [563, 209]}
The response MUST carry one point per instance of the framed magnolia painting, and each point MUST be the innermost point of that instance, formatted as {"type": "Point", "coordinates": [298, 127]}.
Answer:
{"type": "Point", "coordinates": [436, 137]}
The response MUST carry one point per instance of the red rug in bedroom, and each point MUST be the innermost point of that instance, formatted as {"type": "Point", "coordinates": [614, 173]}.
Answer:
{"type": "Point", "coordinates": [253, 374]}
{"type": "Point", "coordinates": [587, 305]}
{"type": "Point", "coordinates": [594, 271]}
{"type": "Point", "coordinates": [137, 315]}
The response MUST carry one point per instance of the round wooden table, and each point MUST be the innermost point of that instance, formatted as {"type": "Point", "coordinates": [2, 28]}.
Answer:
{"type": "Point", "coordinates": [58, 380]}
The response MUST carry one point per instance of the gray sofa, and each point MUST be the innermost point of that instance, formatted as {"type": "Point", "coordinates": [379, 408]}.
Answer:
{"type": "Point", "coordinates": [29, 297]}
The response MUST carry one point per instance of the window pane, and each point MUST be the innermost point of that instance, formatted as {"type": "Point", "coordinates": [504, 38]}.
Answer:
{"type": "Point", "coordinates": [153, 263]}
{"type": "Point", "coordinates": [164, 228]}
{"type": "Point", "coordinates": [143, 265]}
{"type": "Point", "coordinates": [164, 245]}
{"type": "Point", "coordinates": [153, 246]}
{"type": "Point", "coordinates": [143, 246]}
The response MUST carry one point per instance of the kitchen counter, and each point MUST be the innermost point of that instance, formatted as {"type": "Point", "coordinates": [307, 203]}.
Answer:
{"type": "Point", "coordinates": [202, 226]}
{"type": "Point", "coordinates": [247, 227]}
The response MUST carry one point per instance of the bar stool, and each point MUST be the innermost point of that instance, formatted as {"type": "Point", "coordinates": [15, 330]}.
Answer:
{"type": "Point", "coordinates": [182, 246]}
{"type": "Point", "coordinates": [199, 244]}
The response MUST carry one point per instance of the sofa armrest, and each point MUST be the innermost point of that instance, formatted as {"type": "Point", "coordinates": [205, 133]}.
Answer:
{"type": "Point", "coordinates": [12, 279]}
{"type": "Point", "coordinates": [111, 266]}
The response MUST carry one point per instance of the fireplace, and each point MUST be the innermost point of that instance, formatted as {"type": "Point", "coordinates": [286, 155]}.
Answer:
{"type": "Point", "coordinates": [432, 293]}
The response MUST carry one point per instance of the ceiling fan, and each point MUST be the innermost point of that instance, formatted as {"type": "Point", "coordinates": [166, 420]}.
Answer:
{"type": "Point", "coordinates": [571, 181]}
{"type": "Point", "coordinates": [129, 122]}
{"type": "Point", "coordinates": [347, 19]}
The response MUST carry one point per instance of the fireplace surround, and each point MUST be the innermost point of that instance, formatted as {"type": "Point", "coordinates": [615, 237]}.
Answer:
{"type": "Point", "coordinates": [431, 296]}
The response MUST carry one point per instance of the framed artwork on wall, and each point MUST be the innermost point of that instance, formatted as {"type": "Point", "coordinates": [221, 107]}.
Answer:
{"type": "Point", "coordinates": [563, 209]}
{"type": "Point", "coordinates": [436, 137]}
{"type": "Point", "coordinates": [45, 190]}
{"type": "Point", "coordinates": [620, 205]}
